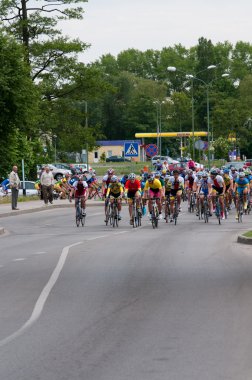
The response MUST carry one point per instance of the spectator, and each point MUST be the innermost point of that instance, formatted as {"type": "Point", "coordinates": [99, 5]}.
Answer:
{"type": "Point", "coordinates": [47, 181]}
{"type": "Point", "coordinates": [165, 166]}
{"type": "Point", "coordinates": [191, 165]}
{"type": "Point", "coordinates": [14, 185]}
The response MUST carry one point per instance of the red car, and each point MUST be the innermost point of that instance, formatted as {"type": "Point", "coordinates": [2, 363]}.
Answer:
{"type": "Point", "coordinates": [180, 166]}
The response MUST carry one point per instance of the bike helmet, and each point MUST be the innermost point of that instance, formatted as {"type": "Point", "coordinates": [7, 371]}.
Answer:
{"type": "Point", "coordinates": [247, 172]}
{"type": "Point", "coordinates": [204, 174]}
{"type": "Point", "coordinates": [157, 174]}
{"type": "Point", "coordinates": [114, 178]}
{"type": "Point", "coordinates": [241, 174]}
{"type": "Point", "coordinates": [151, 178]}
{"type": "Point", "coordinates": [199, 174]}
{"type": "Point", "coordinates": [213, 172]}
{"type": "Point", "coordinates": [110, 171]}
{"type": "Point", "coordinates": [175, 171]}
{"type": "Point", "coordinates": [167, 177]}
{"type": "Point", "coordinates": [225, 171]}
{"type": "Point", "coordinates": [190, 172]}
{"type": "Point", "coordinates": [132, 176]}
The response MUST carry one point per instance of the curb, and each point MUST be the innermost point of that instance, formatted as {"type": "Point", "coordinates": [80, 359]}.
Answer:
{"type": "Point", "coordinates": [244, 240]}
{"type": "Point", "coordinates": [43, 208]}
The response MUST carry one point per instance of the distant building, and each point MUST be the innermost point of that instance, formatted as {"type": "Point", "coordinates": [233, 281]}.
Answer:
{"type": "Point", "coordinates": [112, 148]}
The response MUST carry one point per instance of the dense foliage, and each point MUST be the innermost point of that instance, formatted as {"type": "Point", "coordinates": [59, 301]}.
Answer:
{"type": "Point", "coordinates": [50, 99]}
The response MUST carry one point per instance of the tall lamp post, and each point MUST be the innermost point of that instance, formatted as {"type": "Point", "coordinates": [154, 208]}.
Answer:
{"type": "Point", "coordinates": [192, 78]}
{"type": "Point", "coordinates": [159, 124]}
{"type": "Point", "coordinates": [86, 126]}
{"type": "Point", "coordinates": [55, 147]}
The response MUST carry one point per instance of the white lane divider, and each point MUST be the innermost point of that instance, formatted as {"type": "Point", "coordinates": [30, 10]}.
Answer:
{"type": "Point", "coordinates": [20, 259]}
{"type": "Point", "coordinates": [39, 253]}
{"type": "Point", "coordinates": [39, 306]}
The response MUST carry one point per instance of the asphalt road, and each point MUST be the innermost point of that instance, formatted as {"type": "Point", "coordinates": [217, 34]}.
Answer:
{"type": "Point", "coordinates": [98, 303]}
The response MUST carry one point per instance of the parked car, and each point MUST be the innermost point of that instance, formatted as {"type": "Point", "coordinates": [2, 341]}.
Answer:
{"type": "Point", "coordinates": [81, 167]}
{"type": "Point", "coordinates": [236, 164]}
{"type": "Point", "coordinates": [29, 187]}
{"type": "Point", "coordinates": [179, 166]}
{"type": "Point", "coordinates": [248, 163]}
{"type": "Point", "coordinates": [199, 166]}
{"type": "Point", "coordinates": [58, 173]}
{"type": "Point", "coordinates": [117, 159]}
{"type": "Point", "coordinates": [163, 159]}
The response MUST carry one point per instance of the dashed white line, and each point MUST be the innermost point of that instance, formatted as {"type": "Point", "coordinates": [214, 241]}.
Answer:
{"type": "Point", "coordinates": [38, 308]}
{"type": "Point", "coordinates": [39, 253]}
{"type": "Point", "coordinates": [20, 259]}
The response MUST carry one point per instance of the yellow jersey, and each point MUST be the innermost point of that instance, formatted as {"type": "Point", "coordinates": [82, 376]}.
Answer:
{"type": "Point", "coordinates": [156, 184]}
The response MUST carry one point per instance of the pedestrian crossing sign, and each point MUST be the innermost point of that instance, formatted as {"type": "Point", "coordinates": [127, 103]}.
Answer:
{"type": "Point", "coordinates": [130, 149]}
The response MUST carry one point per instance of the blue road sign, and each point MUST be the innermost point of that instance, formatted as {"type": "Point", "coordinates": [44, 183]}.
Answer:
{"type": "Point", "coordinates": [151, 150]}
{"type": "Point", "coordinates": [131, 149]}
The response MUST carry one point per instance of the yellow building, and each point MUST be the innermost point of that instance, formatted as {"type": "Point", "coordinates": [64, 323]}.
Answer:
{"type": "Point", "coordinates": [112, 148]}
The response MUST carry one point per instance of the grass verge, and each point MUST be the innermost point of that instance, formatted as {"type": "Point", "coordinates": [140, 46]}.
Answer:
{"type": "Point", "coordinates": [248, 234]}
{"type": "Point", "coordinates": [6, 200]}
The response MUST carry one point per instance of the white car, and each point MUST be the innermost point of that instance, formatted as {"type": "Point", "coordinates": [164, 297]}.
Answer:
{"type": "Point", "coordinates": [163, 159]}
{"type": "Point", "coordinates": [29, 187]}
{"type": "Point", "coordinates": [199, 166]}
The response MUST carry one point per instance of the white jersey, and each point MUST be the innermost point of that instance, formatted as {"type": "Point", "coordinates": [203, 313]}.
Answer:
{"type": "Point", "coordinates": [176, 184]}
{"type": "Point", "coordinates": [234, 175]}
{"type": "Point", "coordinates": [218, 181]}
{"type": "Point", "coordinates": [84, 183]}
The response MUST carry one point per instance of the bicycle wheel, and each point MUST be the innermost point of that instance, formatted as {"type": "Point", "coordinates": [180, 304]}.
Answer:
{"type": "Point", "coordinates": [167, 212]}
{"type": "Point", "coordinates": [205, 211]}
{"type": "Point", "coordinates": [78, 216]}
{"type": "Point", "coordinates": [134, 224]}
{"type": "Point", "coordinates": [175, 215]}
{"type": "Point", "coordinates": [83, 218]}
{"type": "Point", "coordinates": [115, 215]}
{"type": "Point", "coordinates": [217, 212]}
{"type": "Point", "coordinates": [156, 217]}
{"type": "Point", "coordinates": [240, 212]}
{"type": "Point", "coordinates": [107, 217]}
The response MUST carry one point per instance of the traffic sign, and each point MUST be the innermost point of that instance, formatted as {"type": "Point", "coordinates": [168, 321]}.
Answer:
{"type": "Point", "coordinates": [151, 150]}
{"type": "Point", "coordinates": [130, 149]}
{"type": "Point", "coordinates": [199, 144]}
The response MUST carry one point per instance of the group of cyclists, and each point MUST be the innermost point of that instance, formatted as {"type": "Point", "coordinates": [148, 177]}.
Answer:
{"type": "Point", "coordinates": [228, 185]}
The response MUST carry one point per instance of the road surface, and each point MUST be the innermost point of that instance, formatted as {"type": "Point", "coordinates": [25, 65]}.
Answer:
{"type": "Point", "coordinates": [98, 303]}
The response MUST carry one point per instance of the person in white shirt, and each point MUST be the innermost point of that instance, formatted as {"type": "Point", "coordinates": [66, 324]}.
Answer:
{"type": "Point", "coordinates": [14, 185]}
{"type": "Point", "coordinates": [47, 182]}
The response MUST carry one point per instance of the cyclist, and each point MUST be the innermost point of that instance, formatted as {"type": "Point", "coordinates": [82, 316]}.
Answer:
{"type": "Point", "coordinates": [229, 188]}
{"type": "Point", "coordinates": [153, 189]}
{"type": "Point", "coordinates": [158, 165]}
{"type": "Point", "coordinates": [218, 186]}
{"type": "Point", "coordinates": [81, 192]}
{"type": "Point", "coordinates": [177, 185]}
{"type": "Point", "coordinates": [115, 190]}
{"type": "Point", "coordinates": [190, 185]}
{"type": "Point", "coordinates": [133, 190]}
{"type": "Point", "coordinates": [5, 185]}
{"type": "Point", "coordinates": [203, 189]}
{"type": "Point", "coordinates": [241, 187]}
{"type": "Point", "coordinates": [106, 181]}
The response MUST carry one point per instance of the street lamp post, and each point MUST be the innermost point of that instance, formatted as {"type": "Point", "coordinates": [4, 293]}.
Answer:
{"type": "Point", "coordinates": [194, 77]}
{"type": "Point", "coordinates": [55, 147]}
{"type": "Point", "coordinates": [86, 126]}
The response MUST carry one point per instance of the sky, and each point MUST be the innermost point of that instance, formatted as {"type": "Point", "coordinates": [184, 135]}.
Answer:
{"type": "Point", "coordinates": [111, 26]}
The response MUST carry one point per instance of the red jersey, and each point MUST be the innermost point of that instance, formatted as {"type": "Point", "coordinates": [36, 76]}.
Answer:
{"type": "Point", "coordinates": [133, 186]}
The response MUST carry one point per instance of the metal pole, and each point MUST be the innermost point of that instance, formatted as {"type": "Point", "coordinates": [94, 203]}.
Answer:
{"type": "Point", "coordinates": [160, 128]}
{"type": "Point", "coordinates": [193, 139]}
{"type": "Point", "coordinates": [55, 151]}
{"type": "Point", "coordinates": [23, 176]}
{"type": "Point", "coordinates": [157, 129]}
{"type": "Point", "coordinates": [86, 126]}
{"type": "Point", "coordinates": [208, 128]}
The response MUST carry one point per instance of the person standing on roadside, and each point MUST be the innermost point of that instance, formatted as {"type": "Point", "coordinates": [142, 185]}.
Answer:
{"type": "Point", "coordinates": [14, 185]}
{"type": "Point", "coordinates": [47, 181]}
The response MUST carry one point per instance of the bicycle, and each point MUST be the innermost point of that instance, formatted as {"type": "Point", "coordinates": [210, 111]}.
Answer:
{"type": "Point", "coordinates": [175, 210]}
{"type": "Point", "coordinates": [154, 213]}
{"type": "Point", "coordinates": [136, 214]}
{"type": "Point", "coordinates": [108, 212]}
{"type": "Point", "coordinates": [114, 213]}
{"type": "Point", "coordinates": [80, 215]}
{"type": "Point", "coordinates": [192, 201]}
{"type": "Point", "coordinates": [205, 208]}
{"type": "Point", "coordinates": [218, 208]}
{"type": "Point", "coordinates": [240, 208]}
{"type": "Point", "coordinates": [167, 208]}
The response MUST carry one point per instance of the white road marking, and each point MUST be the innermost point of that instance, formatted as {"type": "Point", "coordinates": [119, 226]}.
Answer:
{"type": "Point", "coordinates": [20, 259]}
{"type": "Point", "coordinates": [39, 306]}
{"type": "Point", "coordinates": [39, 253]}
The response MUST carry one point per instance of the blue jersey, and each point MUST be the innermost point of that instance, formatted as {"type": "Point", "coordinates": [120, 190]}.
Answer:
{"type": "Point", "coordinates": [242, 182]}
{"type": "Point", "coordinates": [5, 184]}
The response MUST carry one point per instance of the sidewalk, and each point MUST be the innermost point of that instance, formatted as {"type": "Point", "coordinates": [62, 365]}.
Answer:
{"type": "Point", "coordinates": [34, 206]}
